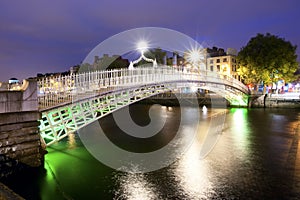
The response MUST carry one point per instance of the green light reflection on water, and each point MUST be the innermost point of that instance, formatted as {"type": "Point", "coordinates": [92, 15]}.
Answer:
{"type": "Point", "coordinates": [72, 173]}
{"type": "Point", "coordinates": [240, 128]}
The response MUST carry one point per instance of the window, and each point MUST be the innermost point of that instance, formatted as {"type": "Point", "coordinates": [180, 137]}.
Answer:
{"type": "Point", "coordinates": [224, 59]}
{"type": "Point", "coordinates": [233, 68]}
{"type": "Point", "coordinates": [211, 61]}
{"type": "Point", "coordinates": [218, 60]}
{"type": "Point", "coordinates": [233, 60]}
{"type": "Point", "coordinates": [218, 68]}
{"type": "Point", "coordinates": [212, 68]}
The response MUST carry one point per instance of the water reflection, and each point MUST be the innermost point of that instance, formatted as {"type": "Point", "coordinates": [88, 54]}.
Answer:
{"type": "Point", "coordinates": [134, 187]}
{"type": "Point", "coordinates": [279, 122]}
{"type": "Point", "coordinates": [192, 173]}
{"type": "Point", "coordinates": [240, 129]}
{"type": "Point", "coordinates": [72, 144]}
{"type": "Point", "coordinates": [252, 160]}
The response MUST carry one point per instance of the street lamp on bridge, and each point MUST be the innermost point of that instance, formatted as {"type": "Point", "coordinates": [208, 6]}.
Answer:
{"type": "Point", "coordinates": [142, 46]}
{"type": "Point", "coordinates": [195, 57]}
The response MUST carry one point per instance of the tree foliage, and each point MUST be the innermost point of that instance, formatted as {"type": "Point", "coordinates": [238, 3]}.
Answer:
{"type": "Point", "coordinates": [157, 54]}
{"type": "Point", "coordinates": [107, 63]}
{"type": "Point", "coordinates": [267, 59]}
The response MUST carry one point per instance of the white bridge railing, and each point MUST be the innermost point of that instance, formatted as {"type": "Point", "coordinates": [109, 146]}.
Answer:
{"type": "Point", "coordinates": [68, 103]}
{"type": "Point", "coordinates": [53, 91]}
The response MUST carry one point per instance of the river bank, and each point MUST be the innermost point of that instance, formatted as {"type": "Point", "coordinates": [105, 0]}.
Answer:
{"type": "Point", "coordinates": [274, 101]}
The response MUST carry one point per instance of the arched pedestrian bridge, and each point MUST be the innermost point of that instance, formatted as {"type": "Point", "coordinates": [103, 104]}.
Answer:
{"type": "Point", "coordinates": [71, 102]}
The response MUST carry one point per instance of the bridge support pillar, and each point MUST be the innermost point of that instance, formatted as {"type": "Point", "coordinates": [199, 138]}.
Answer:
{"type": "Point", "coordinates": [20, 143]}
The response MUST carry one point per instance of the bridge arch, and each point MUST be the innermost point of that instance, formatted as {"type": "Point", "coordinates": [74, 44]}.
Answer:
{"type": "Point", "coordinates": [84, 98]}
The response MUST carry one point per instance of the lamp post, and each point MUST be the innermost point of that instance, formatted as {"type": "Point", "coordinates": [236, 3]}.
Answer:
{"type": "Point", "coordinates": [142, 46]}
{"type": "Point", "coordinates": [195, 57]}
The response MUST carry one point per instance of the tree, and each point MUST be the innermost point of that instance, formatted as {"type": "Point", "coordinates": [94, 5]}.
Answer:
{"type": "Point", "coordinates": [157, 54]}
{"type": "Point", "coordinates": [266, 59]}
{"type": "Point", "coordinates": [109, 62]}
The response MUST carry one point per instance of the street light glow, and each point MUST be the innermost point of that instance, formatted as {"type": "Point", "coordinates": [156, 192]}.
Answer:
{"type": "Point", "coordinates": [195, 56]}
{"type": "Point", "coordinates": [142, 45]}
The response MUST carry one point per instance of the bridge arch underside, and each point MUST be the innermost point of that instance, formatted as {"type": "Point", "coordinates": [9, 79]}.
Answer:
{"type": "Point", "coordinates": [59, 122]}
{"type": "Point", "coordinates": [234, 96]}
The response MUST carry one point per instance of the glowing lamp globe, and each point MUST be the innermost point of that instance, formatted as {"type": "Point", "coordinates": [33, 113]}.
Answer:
{"type": "Point", "coordinates": [142, 46]}
{"type": "Point", "coordinates": [195, 56]}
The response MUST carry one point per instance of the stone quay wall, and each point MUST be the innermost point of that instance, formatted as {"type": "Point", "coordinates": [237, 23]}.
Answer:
{"type": "Point", "coordinates": [20, 143]}
{"type": "Point", "coordinates": [268, 101]}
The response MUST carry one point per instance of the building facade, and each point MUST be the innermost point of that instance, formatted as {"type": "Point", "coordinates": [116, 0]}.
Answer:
{"type": "Point", "coordinates": [217, 60]}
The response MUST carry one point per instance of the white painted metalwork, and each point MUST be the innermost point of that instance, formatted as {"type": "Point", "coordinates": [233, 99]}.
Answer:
{"type": "Point", "coordinates": [63, 89]}
{"type": "Point", "coordinates": [59, 122]}
{"type": "Point", "coordinates": [71, 102]}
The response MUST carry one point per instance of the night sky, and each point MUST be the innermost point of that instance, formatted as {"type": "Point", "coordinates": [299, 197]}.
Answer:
{"type": "Point", "coordinates": [50, 36]}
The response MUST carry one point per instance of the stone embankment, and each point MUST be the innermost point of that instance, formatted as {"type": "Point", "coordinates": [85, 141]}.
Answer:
{"type": "Point", "coordinates": [274, 101]}
{"type": "Point", "coordinates": [20, 143]}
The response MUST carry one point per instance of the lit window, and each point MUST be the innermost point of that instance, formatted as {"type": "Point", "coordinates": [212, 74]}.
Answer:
{"type": "Point", "coordinates": [233, 68]}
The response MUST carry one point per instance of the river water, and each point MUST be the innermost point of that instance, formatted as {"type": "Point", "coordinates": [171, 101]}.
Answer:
{"type": "Point", "coordinates": [257, 156]}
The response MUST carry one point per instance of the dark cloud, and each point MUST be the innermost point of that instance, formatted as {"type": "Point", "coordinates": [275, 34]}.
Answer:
{"type": "Point", "coordinates": [48, 36]}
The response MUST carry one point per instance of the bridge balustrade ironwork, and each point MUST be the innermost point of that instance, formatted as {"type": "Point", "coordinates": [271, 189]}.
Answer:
{"type": "Point", "coordinates": [71, 102]}
{"type": "Point", "coordinates": [55, 91]}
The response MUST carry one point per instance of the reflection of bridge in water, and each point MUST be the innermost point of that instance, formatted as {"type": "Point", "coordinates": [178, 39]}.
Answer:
{"type": "Point", "coordinates": [71, 102]}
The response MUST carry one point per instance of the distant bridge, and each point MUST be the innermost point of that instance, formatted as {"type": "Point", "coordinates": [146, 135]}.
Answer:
{"type": "Point", "coordinates": [68, 103]}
